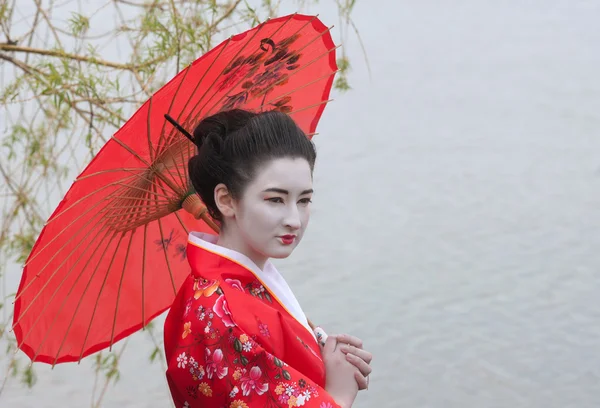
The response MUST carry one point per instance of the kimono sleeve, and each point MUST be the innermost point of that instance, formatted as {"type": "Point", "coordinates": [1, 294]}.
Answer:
{"type": "Point", "coordinates": [213, 363]}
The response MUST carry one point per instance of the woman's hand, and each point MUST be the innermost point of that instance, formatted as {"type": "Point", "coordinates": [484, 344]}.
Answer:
{"type": "Point", "coordinates": [352, 347]}
{"type": "Point", "coordinates": [340, 374]}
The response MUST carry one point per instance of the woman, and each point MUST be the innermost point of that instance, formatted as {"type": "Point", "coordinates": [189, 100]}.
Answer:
{"type": "Point", "coordinates": [236, 335]}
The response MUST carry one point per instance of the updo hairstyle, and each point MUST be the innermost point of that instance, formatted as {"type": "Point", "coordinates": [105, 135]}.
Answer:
{"type": "Point", "coordinates": [233, 144]}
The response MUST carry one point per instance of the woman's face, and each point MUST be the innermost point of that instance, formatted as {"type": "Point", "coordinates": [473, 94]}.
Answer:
{"type": "Point", "coordinates": [274, 210]}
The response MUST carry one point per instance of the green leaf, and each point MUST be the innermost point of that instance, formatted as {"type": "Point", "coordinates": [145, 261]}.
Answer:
{"type": "Point", "coordinates": [15, 368]}
{"type": "Point", "coordinates": [343, 64]}
{"type": "Point", "coordinates": [268, 297]}
{"type": "Point", "coordinates": [277, 362]}
{"type": "Point", "coordinates": [286, 375]}
{"type": "Point", "coordinates": [113, 373]}
{"type": "Point", "coordinates": [154, 354]}
{"type": "Point", "coordinates": [244, 360]}
{"type": "Point", "coordinates": [79, 24]}
{"type": "Point", "coordinates": [237, 345]}
{"type": "Point", "coordinates": [29, 377]}
{"type": "Point", "coordinates": [341, 84]}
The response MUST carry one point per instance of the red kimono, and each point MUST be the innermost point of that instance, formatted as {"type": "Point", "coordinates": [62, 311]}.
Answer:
{"type": "Point", "coordinates": [235, 337]}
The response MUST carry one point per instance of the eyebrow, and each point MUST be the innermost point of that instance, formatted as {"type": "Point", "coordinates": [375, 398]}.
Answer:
{"type": "Point", "coordinates": [282, 191]}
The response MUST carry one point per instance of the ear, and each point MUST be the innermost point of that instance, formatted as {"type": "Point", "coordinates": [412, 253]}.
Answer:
{"type": "Point", "coordinates": [224, 201]}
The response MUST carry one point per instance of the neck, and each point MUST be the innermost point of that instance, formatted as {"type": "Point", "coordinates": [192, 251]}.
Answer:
{"type": "Point", "coordinates": [232, 239]}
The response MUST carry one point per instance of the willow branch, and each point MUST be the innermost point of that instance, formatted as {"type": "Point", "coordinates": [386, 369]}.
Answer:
{"type": "Point", "coordinates": [225, 15]}
{"type": "Point", "coordinates": [45, 15]}
{"type": "Point", "coordinates": [76, 57]}
{"type": "Point", "coordinates": [97, 61]}
{"type": "Point", "coordinates": [30, 70]}
{"type": "Point", "coordinates": [21, 198]}
{"type": "Point", "coordinates": [142, 5]}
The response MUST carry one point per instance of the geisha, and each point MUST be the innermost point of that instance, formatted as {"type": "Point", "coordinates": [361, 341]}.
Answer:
{"type": "Point", "coordinates": [236, 335]}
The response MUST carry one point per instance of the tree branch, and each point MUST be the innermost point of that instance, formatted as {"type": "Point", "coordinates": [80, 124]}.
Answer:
{"type": "Point", "coordinates": [30, 70]}
{"type": "Point", "coordinates": [76, 57]}
{"type": "Point", "coordinates": [225, 15]}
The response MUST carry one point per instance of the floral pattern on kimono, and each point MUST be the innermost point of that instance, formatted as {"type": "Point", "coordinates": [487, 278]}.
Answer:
{"type": "Point", "coordinates": [216, 364]}
{"type": "Point", "coordinates": [220, 353]}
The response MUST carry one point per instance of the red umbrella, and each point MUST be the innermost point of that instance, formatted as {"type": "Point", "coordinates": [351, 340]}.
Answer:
{"type": "Point", "coordinates": [112, 255]}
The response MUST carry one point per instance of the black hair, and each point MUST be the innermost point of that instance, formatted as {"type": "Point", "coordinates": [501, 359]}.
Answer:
{"type": "Point", "coordinates": [233, 144]}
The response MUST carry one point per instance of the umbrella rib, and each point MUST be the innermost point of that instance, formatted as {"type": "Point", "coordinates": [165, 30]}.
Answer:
{"type": "Point", "coordinates": [54, 273]}
{"type": "Point", "coordinates": [136, 155]}
{"type": "Point", "coordinates": [136, 211]}
{"type": "Point", "coordinates": [310, 106]}
{"type": "Point", "coordinates": [135, 173]}
{"type": "Point", "coordinates": [67, 298]}
{"type": "Point", "coordinates": [182, 177]}
{"type": "Point", "coordinates": [75, 233]}
{"type": "Point", "coordinates": [326, 76]}
{"type": "Point", "coordinates": [162, 236]}
{"type": "Point", "coordinates": [182, 224]}
{"type": "Point", "coordinates": [144, 276]}
{"type": "Point", "coordinates": [112, 336]}
{"type": "Point", "coordinates": [173, 156]}
{"type": "Point", "coordinates": [56, 236]}
{"type": "Point", "coordinates": [131, 151]}
{"type": "Point", "coordinates": [56, 291]}
{"type": "Point", "coordinates": [84, 292]}
{"type": "Point", "coordinates": [167, 258]}
{"type": "Point", "coordinates": [140, 206]}
{"type": "Point", "coordinates": [148, 124]}
{"type": "Point", "coordinates": [79, 200]}
{"type": "Point", "coordinates": [139, 175]}
{"type": "Point", "coordinates": [142, 189]}
{"type": "Point", "coordinates": [100, 294]}
{"type": "Point", "coordinates": [175, 132]}
{"type": "Point", "coordinates": [248, 73]}
{"type": "Point", "coordinates": [163, 130]}
{"type": "Point", "coordinates": [150, 147]}
{"type": "Point", "coordinates": [116, 169]}
{"type": "Point", "coordinates": [140, 158]}
{"type": "Point", "coordinates": [140, 198]}
{"type": "Point", "coordinates": [152, 192]}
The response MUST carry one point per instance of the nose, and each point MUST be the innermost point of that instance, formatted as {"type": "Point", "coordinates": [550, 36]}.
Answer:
{"type": "Point", "coordinates": [292, 219]}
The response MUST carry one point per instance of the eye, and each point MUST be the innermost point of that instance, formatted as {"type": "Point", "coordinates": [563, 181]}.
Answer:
{"type": "Point", "coordinates": [274, 199]}
{"type": "Point", "coordinates": [305, 201]}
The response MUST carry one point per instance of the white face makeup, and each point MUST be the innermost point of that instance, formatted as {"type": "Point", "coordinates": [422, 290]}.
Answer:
{"type": "Point", "coordinates": [270, 218]}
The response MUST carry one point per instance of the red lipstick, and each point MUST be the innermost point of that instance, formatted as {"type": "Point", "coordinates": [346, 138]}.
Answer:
{"type": "Point", "coordinates": [288, 239]}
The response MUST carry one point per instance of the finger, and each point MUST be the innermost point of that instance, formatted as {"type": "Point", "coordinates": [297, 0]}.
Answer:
{"type": "Point", "coordinates": [352, 340]}
{"type": "Point", "coordinates": [321, 335]}
{"type": "Point", "coordinates": [329, 344]}
{"type": "Point", "coordinates": [365, 355]}
{"type": "Point", "coordinates": [359, 363]}
{"type": "Point", "coordinates": [361, 380]}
